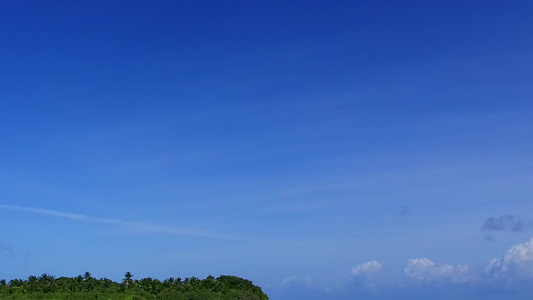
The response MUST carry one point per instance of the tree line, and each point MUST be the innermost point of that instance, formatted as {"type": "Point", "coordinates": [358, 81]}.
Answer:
{"type": "Point", "coordinates": [85, 286]}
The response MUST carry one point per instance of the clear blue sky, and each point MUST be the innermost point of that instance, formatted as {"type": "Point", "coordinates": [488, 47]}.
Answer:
{"type": "Point", "coordinates": [321, 149]}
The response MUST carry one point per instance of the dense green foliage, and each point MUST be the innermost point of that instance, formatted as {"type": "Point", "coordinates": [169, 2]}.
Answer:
{"type": "Point", "coordinates": [86, 287]}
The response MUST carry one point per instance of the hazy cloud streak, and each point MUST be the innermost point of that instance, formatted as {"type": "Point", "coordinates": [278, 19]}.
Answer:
{"type": "Point", "coordinates": [135, 226]}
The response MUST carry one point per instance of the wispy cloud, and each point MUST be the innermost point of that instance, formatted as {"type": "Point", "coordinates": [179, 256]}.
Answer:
{"type": "Point", "coordinates": [505, 223]}
{"type": "Point", "coordinates": [5, 251]}
{"type": "Point", "coordinates": [488, 238]}
{"type": "Point", "coordinates": [404, 211]}
{"type": "Point", "coordinates": [297, 280]}
{"type": "Point", "coordinates": [140, 227]}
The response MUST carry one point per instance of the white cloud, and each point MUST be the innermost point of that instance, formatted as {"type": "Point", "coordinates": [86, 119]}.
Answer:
{"type": "Point", "coordinates": [515, 264]}
{"type": "Point", "coordinates": [424, 270]}
{"type": "Point", "coordinates": [370, 267]}
{"type": "Point", "coordinates": [297, 280]}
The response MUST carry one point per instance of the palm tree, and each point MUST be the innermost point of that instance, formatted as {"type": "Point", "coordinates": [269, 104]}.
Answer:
{"type": "Point", "coordinates": [87, 276]}
{"type": "Point", "coordinates": [32, 283]}
{"type": "Point", "coordinates": [88, 281]}
{"type": "Point", "coordinates": [169, 282]}
{"type": "Point", "coordinates": [47, 283]}
{"type": "Point", "coordinates": [145, 284]}
{"type": "Point", "coordinates": [127, 279]}
{"type": "Point", "coordinates": [16, 282]}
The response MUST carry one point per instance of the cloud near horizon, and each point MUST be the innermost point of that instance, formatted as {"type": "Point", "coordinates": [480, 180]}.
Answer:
{"type": "Point", "coordinates": [424, 270]}
{"type": "Point", "coordinates": [297, 280]}
{"type": "Point", "coordinates": [510, 276]}
{"type": "Point", "coordinates": [516, 265]}
{"type": "Point", "coordinates": [368, 268]}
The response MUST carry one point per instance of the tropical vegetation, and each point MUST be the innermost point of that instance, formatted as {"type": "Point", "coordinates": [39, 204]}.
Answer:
{"type": "Point", "coordinates": [85, 286]}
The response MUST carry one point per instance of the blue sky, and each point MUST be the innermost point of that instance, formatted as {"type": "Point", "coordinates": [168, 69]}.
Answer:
{"type": "Point", "coordinates": [323, 150]}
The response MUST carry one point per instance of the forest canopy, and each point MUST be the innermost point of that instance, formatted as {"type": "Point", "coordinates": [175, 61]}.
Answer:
{"type": "Point", "coordinates": [224, 287]}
